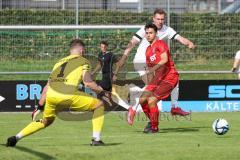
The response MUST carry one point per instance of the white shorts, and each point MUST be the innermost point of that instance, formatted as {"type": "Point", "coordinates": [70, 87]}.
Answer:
{"type": "Point", "coordinates": [139, 60]}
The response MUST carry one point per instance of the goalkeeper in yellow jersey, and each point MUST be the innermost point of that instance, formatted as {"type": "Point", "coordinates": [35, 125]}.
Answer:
{"type": "Point", "coordinates": [62, 93]}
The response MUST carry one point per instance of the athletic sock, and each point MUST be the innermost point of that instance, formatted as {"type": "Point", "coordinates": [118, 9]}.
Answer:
{"type": "Point", "coordinates": [30, 129]}
{"type": "Point", "coordinates": [135, 93]}
{"type": "Point", "coordinates": [146, 110]}
{"type": "Point", "coordinates": [154, 114]}
{"type": "Point", "coordinates": [174, 97]}
{"type": "Point", "coordinates": [97, 136]}
{"type": "Point", "coordinates": [136, 105]}
{"type": "Point", "coordinates": [97, 122]}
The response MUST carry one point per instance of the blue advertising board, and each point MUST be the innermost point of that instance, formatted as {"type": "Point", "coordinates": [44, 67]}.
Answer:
{"type": "Point", "coordinates": [208, 96]}
{"type": "Point", "coordinates": [194, 95]}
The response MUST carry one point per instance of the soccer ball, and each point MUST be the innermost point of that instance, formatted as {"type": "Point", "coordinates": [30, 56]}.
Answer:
{"type": "Point", "coordinates": [220, 126]}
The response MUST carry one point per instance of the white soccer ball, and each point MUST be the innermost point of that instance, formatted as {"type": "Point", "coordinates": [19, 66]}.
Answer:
{"type": "Point", "coordinates": [220, 126]}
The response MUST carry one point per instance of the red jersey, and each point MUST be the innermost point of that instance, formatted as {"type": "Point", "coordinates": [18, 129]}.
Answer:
{"type": "Point", "coordinates": [153, 57]}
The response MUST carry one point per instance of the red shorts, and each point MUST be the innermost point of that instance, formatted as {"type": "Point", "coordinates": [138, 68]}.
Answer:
{"type": "Point", "coordinates": [162, 87]}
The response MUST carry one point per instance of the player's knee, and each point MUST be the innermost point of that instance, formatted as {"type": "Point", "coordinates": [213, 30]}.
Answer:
{"type": "Point", "coordinates": [142, 100]}
{"type": "Point", "coordinates": [152, 102]}
{"type": "Point", "coordinates": [99, 104]}
{"type": "Point", "coordinates": [99, 108]}
{"type": "Point", "coordinates": [48, 121]}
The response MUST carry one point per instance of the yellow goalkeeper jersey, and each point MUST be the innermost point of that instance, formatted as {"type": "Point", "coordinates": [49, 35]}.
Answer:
{"type": "Point", "coordinates": [67, 75]}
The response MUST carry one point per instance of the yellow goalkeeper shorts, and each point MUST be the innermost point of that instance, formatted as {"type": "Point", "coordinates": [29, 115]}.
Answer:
{"type": "Point", "coordinates": [80, 101]}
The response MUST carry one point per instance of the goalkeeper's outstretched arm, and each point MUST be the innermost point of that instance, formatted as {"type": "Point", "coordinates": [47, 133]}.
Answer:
{"type": "Point", "coordinates": [43, 96]}
{"type": "Point", "coordinates": [88, 82]}
{"type": "Point", "coordinates": [41, 103]}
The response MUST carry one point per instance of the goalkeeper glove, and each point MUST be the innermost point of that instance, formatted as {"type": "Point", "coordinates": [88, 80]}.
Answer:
{"type": "Point", "coordinates": [37, 111]}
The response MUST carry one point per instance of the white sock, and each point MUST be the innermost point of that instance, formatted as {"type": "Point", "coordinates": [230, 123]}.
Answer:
{"type": "Point", "coordinates": [18, 136]}
{"type": "Point", "coordinates": [174, 96]}
{"type": "Point", "coordinates": [96, 136]}
{"type": "Point", "coordinates": [159, 104]}
{"type": "Point", "coordinates": [136, 104]}
{"type": "Point", "coordinates": [135, 93]}
{"type": "Point", "coordinates": [121, 102]}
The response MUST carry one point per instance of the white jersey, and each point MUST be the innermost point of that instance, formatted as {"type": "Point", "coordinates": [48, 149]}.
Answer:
{"type": "Point", "coordinates": [237, 56]}
{"type": "Point", "coordinates": [164, 33]}
{"type": "Point", "coordinates": [140, 59]}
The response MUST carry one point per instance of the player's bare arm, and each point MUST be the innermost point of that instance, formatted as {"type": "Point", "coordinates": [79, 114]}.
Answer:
{"type": "Point", "coordinates": [41, 103]}
{"type": "Point", "coordinates": [127, 51]}
{"type": "Point", "coordinates": [186, 42]}
{"type": "Point", "coordinates": [98, 67]}
{"type": "Point", "coordinates": [88, 82]}
{"type": "Point", "coordinates": [43, 95]}
{"type": "Point", "coordinates": [164, 59]}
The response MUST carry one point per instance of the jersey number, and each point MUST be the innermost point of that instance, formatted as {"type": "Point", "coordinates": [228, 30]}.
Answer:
{"type": "Point", "coordinates": [153, 58]}
{"type": "Point", "coordinates": [61, 74]}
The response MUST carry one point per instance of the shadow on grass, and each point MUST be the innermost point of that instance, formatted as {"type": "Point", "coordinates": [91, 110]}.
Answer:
{"type": "Point", "coordinates": [35, 153]}
{"type": "Point", "coordinates": [106, 144]}
{"type": "Point", "coordinates": [178, 129]}
{"type": "Point", "coordinates": [181, 129]}
{"type": "Point", "coordinates": [223, 136]}
{"type": "Point", "coordinates": [31, 151]}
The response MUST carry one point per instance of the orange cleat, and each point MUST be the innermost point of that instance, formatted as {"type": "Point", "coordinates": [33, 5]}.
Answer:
{"type": "Point", "coordinates": [178, 111]}
{"type": "Point", "coordinates": [131, 115]}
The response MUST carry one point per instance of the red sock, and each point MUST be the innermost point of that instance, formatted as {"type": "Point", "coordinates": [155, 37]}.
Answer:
{"type": "Point", "coordinates": [146, 110]}
{"type": "Point", "coordinates": [154, 114]}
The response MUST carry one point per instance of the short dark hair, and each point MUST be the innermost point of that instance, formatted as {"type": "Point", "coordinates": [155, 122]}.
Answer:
{"type": "Point", "coordinates": [76, 42]}
{"type": "Point", "coordinates": [159, 11]}
{"type": "Point", "coordinates": [104, 42]}
{"type": "Point", "coordinates": [151, 25]}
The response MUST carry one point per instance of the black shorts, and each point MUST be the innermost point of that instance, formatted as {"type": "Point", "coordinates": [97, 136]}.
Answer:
{"type": "Point", "coordinates": [106, 82]}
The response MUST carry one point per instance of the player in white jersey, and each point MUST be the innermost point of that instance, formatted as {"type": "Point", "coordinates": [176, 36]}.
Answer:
{"type": "Point", "coordinates": [164, 32]}
{"type": "Point", "coordinates": [236, 64]}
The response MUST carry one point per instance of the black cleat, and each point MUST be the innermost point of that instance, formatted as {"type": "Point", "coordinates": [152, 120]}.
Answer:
{"type": "Point", "coordinates": [11, 141]}
{"type": "Point", "coordinates": [97, 143]}
{"type": "Point", "coordinates": [148, 127]}
{"type": "Point", "coordinates": [151, 131]}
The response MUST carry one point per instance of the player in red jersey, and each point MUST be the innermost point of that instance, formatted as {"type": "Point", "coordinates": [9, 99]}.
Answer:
{"type": "Point", "coordinates": [162, 74]}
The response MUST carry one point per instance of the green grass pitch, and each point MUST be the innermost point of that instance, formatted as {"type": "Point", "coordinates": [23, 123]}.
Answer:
{"type": "Point", "coordinates": [179, 138]}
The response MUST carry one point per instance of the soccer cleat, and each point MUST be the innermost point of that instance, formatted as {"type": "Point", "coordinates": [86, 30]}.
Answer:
{"type": "Point", "coordinates": [179, 111]}
{"type": "Point", "coordinates": [131, 115]}
{"type": "Point", "coordinates": [97, 143]}
{"type": "Point", "coordinates": [148, 127]}
{"type": "Point", "coordinates": [150, 130]}
{"type": "Point", "coordinates": [11, 141]}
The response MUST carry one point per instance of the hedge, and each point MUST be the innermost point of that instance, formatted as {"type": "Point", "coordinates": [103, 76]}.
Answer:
{"type": "Point", "coordinates": [216, 36]}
